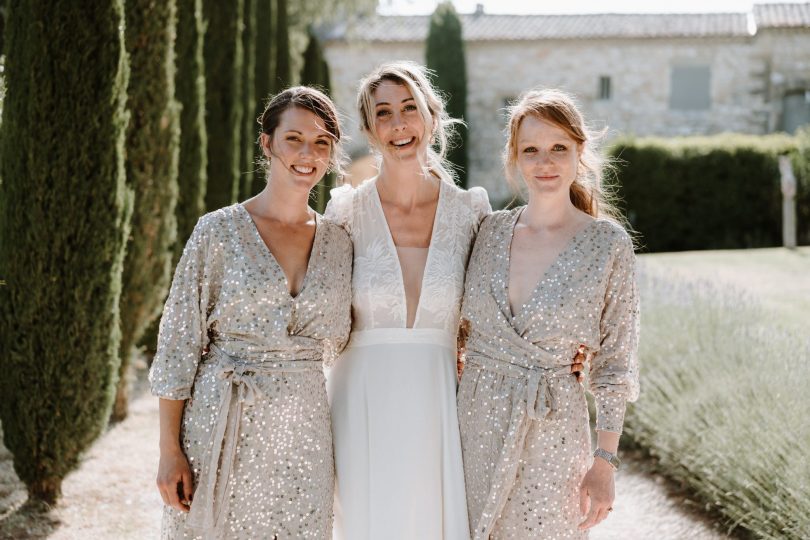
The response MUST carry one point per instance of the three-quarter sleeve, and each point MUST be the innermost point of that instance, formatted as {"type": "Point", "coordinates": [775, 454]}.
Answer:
{"type": "Point", "coordinates": [614, 371]}
{"type": "Point", "coordinates": [339, 207]}
{"type": "Point", "coordinates": [183, 333]}
{"type": "Point", "coordinates": [480, 202]}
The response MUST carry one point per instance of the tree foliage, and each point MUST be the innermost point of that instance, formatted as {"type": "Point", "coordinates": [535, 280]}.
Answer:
{"type": "Point", "coordinates": [153, 140]}
{"type": "Point", "coordinates": [445, 56]}
{"type": "Point", "coordinates": [223, 95]}
{"type": "Point", "coordinates": [64, 214]}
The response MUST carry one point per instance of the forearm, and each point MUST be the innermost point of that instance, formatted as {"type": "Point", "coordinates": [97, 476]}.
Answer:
{"type": "Point", "coordinates": [171, 415]}
{"type": "Point", "coordinates": [607, 440]}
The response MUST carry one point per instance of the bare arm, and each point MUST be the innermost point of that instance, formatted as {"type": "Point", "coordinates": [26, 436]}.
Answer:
{"type": "Point", "coordinates": [174, 473]}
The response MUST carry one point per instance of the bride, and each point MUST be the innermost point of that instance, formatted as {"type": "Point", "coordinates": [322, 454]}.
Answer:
{"type": "Point", "coordinates": [397, 448]}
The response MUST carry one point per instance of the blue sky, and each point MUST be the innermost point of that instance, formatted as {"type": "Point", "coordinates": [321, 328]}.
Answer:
{"type": "Point", "coordinates": [424, 7]}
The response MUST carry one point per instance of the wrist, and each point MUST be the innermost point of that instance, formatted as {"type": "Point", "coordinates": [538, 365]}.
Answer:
{"type": "Point", "coordinates": [169, 448]}
{"type": "Point", "coordinates": [606, 458]}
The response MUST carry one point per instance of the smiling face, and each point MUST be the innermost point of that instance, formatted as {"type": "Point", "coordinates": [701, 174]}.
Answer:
{"type": "Point", "coordinates": [546, 156]}
{"type": "Point", "coordinates": [398, 124]}
{"type": "Point", "coordinates": [299, 148]}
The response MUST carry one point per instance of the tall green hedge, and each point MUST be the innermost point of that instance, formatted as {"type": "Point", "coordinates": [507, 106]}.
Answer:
{"type": "Point", "coordinates": [153, 141]}
{"type": "Point", "coordinates": [189, 87]}
{"type": "Point", "coordinates": [223, 96]}
{"type": "Point", "coordinates": [283, 66]}
{"type": "Point", "coordinates": [315, 72]}
{"type": "Point", "coordinates": [714, 192]}
{"type": "Point", "coordinates": [64, 214]}
{"type": "Point", "coordinates": [445, 56]}
{"type": "Point", "coordinates": [263, 79]}
{"type": "Point", "coordinates": [249, 126]}
{"type": "Point", "coordinates": [190, 92]}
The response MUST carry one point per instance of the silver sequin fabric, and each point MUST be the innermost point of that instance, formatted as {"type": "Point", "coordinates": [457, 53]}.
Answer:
{"type": "Point", "coordinates": [523, 416]}
{"type": "Point", "coordinates": [247, 357]}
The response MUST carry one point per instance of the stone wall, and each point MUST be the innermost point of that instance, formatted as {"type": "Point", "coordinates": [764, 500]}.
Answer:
{"type": "Point", "coordinates": [741, 85]}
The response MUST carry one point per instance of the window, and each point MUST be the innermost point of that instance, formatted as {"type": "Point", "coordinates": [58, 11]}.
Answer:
{"type": "Point", "coordinates": [604, 87]}
{"type": "Point", "coordinates": [689, 88]}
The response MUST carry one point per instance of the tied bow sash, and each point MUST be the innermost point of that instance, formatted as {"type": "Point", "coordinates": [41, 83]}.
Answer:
{"type": "Point", "coordinates": [211, 496]}
{"type": "Point", "coordinates": [540, 402]}
{"type": "Point", "coordinates": [539, 396]}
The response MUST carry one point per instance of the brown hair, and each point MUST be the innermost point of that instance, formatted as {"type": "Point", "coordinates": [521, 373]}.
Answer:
{"type": "Point", "coordinates": [314, 101]}
{"type": "Point", "coordinates": [438, 124]}
{"type": "Point", "coordinates": [587, 192]}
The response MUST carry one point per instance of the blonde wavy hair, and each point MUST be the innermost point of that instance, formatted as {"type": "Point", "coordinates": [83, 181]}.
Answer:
{"type": "Point", "coordinates": [439, 127]}
{"type": "Point", "coordinates": [588, 191]}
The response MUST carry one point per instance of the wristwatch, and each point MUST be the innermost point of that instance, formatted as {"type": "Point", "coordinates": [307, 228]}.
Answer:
{"type": "Point", "coordinates": [613, 459]}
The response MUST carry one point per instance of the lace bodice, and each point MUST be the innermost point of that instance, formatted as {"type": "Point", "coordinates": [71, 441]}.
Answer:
{"type": "Point", "coordinates": [378, 293]}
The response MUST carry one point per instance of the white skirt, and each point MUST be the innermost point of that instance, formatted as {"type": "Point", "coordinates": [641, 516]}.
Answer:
{"type": "Point", "coordinates": [396, 437]}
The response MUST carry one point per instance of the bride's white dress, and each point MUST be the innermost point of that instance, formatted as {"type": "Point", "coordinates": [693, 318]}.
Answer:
{"type": "Point", "coordinates": [393, 390]}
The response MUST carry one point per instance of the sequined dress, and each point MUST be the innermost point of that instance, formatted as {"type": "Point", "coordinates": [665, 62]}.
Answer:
{"type": "Point", "coordinates": [397, 448]}
{"type": "Point", "coordinates": [256, 427]}
{"type": "Point", "coordinates": [522, 415]}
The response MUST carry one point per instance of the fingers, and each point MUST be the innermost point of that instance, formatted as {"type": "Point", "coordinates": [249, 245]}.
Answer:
{"type": "Point", "coordinates": [169, 492]}
{"type": "Point", "coordinates": [598, 512]}
{"type": "Point", "coordinates": [188, 492]}
{"type": "Point", "coordinates": [584, 499]}
{"type": "Point", "coordinates": [174, 496]}
{"type": "Point", "coordinates": [162, 492]}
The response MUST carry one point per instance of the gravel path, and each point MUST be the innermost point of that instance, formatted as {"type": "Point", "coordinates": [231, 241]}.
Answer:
{"type": "Point", "coordinates": [112, 495]}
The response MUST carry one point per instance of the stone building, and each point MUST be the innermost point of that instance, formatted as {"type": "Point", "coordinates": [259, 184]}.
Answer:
{"type": "Point", "coordinates": [651, 74]}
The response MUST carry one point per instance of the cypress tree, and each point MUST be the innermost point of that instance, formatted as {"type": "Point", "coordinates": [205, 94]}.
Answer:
{"type": "Point", "coordinates": [445, 56]}
{"type": "Point", "coordinates": [153, 140]}
{"type": "Point", "coordinates": [189, 87]}
{"type": "Point", "coordinates": [64, 214]}
{"type": "Point", "coordinates": [190, 92]}
{"type": "Point", "coordinates": [250, 129]}
{"type": "Point", "coordinates": [315, 72]}
{"type": "Point", "coordinates": [283, 66]}
{"type": "Point", "coordinates": [223, 97]}
{"type": "Point", "coordinates": [312, 70]}
{"type": "Point", "coordinates": [263, 81]}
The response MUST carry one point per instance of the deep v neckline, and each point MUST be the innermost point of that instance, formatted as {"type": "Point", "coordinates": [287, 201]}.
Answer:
{"type": "Point", "coordinates": [392, 250]}
{"type": "Point", "coordinates": [274, 262]}
{"type": "Point", "coordinates": [544, 276]}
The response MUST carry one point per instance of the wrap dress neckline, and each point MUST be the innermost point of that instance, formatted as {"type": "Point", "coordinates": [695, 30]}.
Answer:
{"type": "Point", "coordinates": [281, 275]}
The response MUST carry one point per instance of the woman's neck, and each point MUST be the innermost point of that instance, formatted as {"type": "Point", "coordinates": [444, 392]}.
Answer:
{"type": "Point", "coordinates": [550, 212]}
{"type": "Point", "coordinates": [405, 183]}
{"type": "Point", "coordinates": [282, 204]}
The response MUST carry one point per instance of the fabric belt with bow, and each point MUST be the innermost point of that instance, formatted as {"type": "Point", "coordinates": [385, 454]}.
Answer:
{"type": "Point", "coordinates": [540, 402]}
{"type": "Point", "coordinates": [539, 396]}
{"type": "Point", "coordinates": [211, 496]}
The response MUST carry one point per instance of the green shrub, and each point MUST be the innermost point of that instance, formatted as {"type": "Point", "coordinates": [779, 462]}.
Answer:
{"type": "Point", "coordinates": [263, 81]}
{"type": "Point", "coordinates": [722, 405]}
{"type": "Point", "coordinates": [315, 72]}
{"type": "Point", "coordinates": [249, 127]}
{"type": "Point", "coordinates": [189, 85]}
{"type": "Point", "coordinates": [190, 92]}
{"type": "Point", "coordinates": [283, 63]}
{"type": "Point", "coordinates": [445, 56]}
{"type": "Point", "coordinates": [223, 96]}
{"type": "Point", "coordinates": [153, 140]}
{"type": "Point", "coordinates": [712, 192]}
{"type": "Point", "coordinates": [64, 221]}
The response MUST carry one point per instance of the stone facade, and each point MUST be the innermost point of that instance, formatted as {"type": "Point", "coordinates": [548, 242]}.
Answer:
{"type": "Point", "coordinates": [750, 73]}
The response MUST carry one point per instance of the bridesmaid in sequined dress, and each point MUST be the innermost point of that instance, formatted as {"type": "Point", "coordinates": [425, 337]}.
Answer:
{"type": "Point", "coordinates": [260, 298]}
{"type": "Point", "coordinates": [544, 280]}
